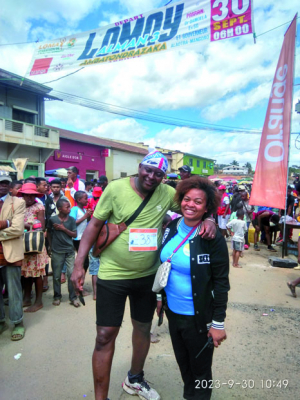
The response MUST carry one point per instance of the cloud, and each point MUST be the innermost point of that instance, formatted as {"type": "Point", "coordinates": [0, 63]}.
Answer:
{"type": "Point", "coordinates": [125, 129]}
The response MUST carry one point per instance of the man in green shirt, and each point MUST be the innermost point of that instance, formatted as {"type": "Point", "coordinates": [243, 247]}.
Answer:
{"type": "Point", "coordinates": [128, 267]}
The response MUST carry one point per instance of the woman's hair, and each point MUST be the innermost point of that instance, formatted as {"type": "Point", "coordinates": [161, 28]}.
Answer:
{"type": "Point", "coordinates": [213, 197]}
{"type": "Point", "coordinates": [79, 194]}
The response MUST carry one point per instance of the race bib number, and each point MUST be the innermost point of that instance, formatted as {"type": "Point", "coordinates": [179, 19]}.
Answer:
{"type": "Point", "coordinates": [142, 239]}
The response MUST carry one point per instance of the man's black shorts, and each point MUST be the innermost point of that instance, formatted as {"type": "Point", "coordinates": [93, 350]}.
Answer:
{"type": "Point", "coordinates": [111, 299]}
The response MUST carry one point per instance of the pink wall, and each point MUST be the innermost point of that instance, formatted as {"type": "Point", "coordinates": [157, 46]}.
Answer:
{"type": "Point", "coordinates": [91, 157]}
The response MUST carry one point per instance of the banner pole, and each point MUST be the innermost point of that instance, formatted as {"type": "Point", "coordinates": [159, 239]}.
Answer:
{"type": "Point", "coordinates": [284, 244]}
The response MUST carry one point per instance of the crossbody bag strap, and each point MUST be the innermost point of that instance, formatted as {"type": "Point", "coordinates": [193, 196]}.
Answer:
{"type": "Point", "coordinates": [184, 240]}
{"type": "Point", "coordinates": [140, 209]}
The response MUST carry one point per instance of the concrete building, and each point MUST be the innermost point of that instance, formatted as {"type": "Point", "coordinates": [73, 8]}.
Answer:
{"type": "Point", "coordinates": [95, 156]}
{"type": "Point", "coordinates": [199, 165]}
{"type": "Point", "coordinates": [235, 170]}
{"type": "Point", "coordinates": [23, 134]}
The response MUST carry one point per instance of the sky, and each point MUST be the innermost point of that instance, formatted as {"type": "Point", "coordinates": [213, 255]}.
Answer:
{"type": "Point", "coordinates": [226, 83]}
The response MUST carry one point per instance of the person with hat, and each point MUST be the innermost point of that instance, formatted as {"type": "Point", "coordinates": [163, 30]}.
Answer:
{"type": "Point", "coordinates": [185, 172]}
{"type": "Point", "coordinates": [96, 194]}
{"type": "Point", "coordinates": [12, 210]}
{"type": "Point", "coordinates": [223, 211]}
{"type": "Point", "coordinates": [128, 270]}
{"type": "Point", "coordinates": [33, 266]}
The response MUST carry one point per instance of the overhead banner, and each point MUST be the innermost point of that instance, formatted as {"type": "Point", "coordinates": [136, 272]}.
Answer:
{"type": "Point", "coordinates": [270, 179]}
{"type": "Point", "coordinates": [176, 26]}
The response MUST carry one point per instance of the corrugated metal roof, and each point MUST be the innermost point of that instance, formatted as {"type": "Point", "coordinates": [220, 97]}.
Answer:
{"type": "Point", "coordinates": [13, 80]}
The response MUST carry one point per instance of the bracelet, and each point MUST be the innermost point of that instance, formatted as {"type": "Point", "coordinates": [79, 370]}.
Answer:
{"type": "Point", "coordinates": [158, 297]}
{"type": "Point", "coordinates": [210, 219]}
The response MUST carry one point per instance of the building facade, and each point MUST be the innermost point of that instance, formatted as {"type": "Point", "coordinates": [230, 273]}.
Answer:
{"type": "Point", "coordinates": [23, 134]}
{"type": "Point", "coordinates": [199, 165]}
{"type": "Point", "coordinates": [235, 170]}
{"type": "Point", "coordinates": [94, 156]}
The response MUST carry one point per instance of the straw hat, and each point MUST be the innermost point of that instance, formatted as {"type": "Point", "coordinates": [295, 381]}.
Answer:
{"type": "Point", "coordinates": [29, 188]}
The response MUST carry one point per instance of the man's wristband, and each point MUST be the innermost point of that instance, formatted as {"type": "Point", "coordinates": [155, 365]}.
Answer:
{"type": "Point", "coordinates": [210, 219]}
{"type": "Point", "coordinates": [158, 297]}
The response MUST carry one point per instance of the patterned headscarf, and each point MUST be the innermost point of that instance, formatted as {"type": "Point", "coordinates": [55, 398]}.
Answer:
{"type": "Point", "coordinates": [157, 160]}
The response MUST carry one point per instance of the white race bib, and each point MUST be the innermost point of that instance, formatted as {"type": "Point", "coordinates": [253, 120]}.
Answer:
{"type": "Point", "coordinates": [142, 239]}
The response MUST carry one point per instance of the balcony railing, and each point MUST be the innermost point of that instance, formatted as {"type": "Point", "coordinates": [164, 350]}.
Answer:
{"type": "Point", "coordinates": [32, 135]}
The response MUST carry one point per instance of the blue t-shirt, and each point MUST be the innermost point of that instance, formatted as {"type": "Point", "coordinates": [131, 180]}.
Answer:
{"type": "Point", "coordinates": [179, 287]}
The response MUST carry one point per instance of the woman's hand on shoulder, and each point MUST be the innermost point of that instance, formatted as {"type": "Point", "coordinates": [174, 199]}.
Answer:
{"type": "Point", "coordinates": [218, 336]}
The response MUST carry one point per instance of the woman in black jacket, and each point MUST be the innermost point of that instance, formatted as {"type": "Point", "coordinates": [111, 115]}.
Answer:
{"type": "Point", "coordinates": [197, 288]}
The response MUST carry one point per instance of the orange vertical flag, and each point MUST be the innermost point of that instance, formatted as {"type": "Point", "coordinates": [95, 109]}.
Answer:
{"type": "Point", "coordinates": [270, 179]}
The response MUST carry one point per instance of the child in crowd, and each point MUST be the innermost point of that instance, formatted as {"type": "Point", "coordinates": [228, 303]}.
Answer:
{"type": "Point", "coordinates": [81, 216]}
{"type": "Point", "coordinates": [14, 187]}
{"type": "Point", "coordinates": [94, 261]}
{"type": "Point", "coordinates": [93, 201]}
{"type": "Point", "coordinates": [237, 228]}
{"type": "Point", "coordinates": [61, 230]}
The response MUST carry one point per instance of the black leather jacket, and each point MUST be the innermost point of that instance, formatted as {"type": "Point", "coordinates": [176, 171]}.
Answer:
{"type": "Point", "coordinates": [209, 272]}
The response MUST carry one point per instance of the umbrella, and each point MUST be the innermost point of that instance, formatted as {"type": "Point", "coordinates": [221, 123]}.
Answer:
{"type": "Point", "coordinates": [62, 172]}
{"type": "Point", "coordinates": [215, 179]}
{"type": "Point", "coordinates": [232, 180]}
{"type": "Point", "coordinates": [245, 182]}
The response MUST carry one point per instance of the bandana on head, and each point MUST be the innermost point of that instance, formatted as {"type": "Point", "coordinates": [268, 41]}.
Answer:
{"type": "Point", "coordinates": [157, 160]}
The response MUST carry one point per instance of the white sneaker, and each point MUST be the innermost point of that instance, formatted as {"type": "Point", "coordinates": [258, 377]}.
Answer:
{"type": "Point", "coordinates": [142, 389]}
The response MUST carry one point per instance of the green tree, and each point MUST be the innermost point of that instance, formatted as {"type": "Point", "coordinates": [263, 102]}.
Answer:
{"type": "Point", "coordinates": [249, 166]}
{"type": "Point", "coordinates": [234, 162]}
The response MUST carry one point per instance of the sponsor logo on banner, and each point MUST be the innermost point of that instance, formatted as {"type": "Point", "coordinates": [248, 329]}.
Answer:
{"type": "Point", "coordinates": [178, 25]}
{"type": "Point", "coordinates": [41, 66]}
{"type": "Point", "coordinates": [272, 161]}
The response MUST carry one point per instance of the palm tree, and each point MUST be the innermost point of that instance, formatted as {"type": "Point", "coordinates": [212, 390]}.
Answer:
{"type": "Point", "coordinates": [248, 166]}
{"type": "Point", "coordinates": [234, 162]}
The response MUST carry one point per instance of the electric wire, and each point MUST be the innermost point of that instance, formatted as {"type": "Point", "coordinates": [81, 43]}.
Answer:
{"type": "Point", "coordinates": [147, 116]}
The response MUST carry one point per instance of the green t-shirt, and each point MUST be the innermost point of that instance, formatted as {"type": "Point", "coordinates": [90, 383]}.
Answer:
{"type": "Point", "coordinates": [118, 202]}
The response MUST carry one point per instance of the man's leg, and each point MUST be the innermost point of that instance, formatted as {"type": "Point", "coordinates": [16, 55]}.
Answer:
{"type": "Point", "coordinates": [2, 311]}
{"type": "Point", "coordinates": [142, 306]}
{"type": "Point", "coordinates": [102, 359]}
{"type": "Point", "coordinates": [57, 262]}
{"type": "Point", "coordinates": [15, 301]}
{"type": "Point", "coordinates": [140, 345]}
{"type": "Point", "coordinates": [110, 306]}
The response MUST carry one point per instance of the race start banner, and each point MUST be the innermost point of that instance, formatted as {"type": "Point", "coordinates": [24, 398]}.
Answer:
{"type": "Point", "coordinates": [175, 26]}
{"type": "Point", "coordinates": [270, 178]}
